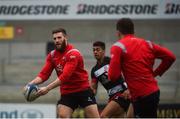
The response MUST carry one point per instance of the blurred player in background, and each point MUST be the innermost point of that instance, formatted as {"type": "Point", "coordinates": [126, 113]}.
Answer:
{"type": "Point", "coordinates": [118, 103]}
{"type": "Point", "coordinates": [135, 57]}
{"type": "Point", "coordinates": [72, 78]}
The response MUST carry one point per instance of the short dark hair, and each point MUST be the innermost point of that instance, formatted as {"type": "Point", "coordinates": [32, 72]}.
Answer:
{"type": "Point", "coordinates": [125, 26]}
{"type": "Point", "coordinates": [59, 30]}
{"type": "Point", "coordinates": [100, 44]}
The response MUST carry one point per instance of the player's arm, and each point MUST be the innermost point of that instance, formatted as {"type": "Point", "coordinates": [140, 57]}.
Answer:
{"type": "Point", "coordinates": [44, 73]}
{"type": "Point", "coordinates": [36, 81]}
{"type": "Point", "coordinates": [167, 59]}
{"type": "Point", "coordinates": [114, 71]}
{"type": "Point", "coordinates": [94, 85]}
{"type": "Point", "coordinates": [44, 90]}
{"type": "Point", "coordinates": [93, 82]}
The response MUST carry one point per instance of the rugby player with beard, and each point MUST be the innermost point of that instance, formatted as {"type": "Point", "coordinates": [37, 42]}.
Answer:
{"type": "Point", "coordinates": [72, 78]}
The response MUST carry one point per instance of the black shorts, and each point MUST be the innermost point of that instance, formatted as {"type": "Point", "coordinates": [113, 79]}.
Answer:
{"type": "Point", "coordinates": [146, 107]}
{"type": "Point", "coordinates": [74, 100]}
{"type": "Point", "coordinates": [124, 103]}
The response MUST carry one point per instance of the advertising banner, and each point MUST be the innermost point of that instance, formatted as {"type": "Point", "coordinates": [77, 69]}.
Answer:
{"type": "Point", "coordinates": [88, 9]}
{"type": "Point", "coordinates": [18, 110]}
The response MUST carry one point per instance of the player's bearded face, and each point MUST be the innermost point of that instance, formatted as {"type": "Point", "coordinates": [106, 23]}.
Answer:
{"type": "Point", "coordinates": [60, 41]}
{"type": "Point", "coordinates": [61, 47]}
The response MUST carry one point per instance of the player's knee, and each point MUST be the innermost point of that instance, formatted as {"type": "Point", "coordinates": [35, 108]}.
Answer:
{"type": "Point", "coordinates": [102, 115]}
{"type": "Point", "coordinates": [62, 115]}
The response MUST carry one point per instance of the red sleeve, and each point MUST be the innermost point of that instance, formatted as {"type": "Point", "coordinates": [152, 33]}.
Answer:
{"type": "Point", "coordinates": [115, 63]}
{"type": "Point", "coordinates": [47, 69]}
{"type": "Point", "coordinates": [167, 59]}
{"type": "Point", "coordinates": [70, 66]}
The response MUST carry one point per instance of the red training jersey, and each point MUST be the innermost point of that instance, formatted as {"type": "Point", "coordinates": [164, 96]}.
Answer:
{"type": "Point", "coordinates": [69, 67]}
{"type": "Point", "coordinates": [135, 57]}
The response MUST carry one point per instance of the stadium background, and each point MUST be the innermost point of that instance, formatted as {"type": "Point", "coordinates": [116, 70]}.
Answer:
{"type": "Point", "coordinates": [24, 45]}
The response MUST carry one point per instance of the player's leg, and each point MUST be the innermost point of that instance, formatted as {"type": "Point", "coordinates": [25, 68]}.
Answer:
{"type": "Point", "coordinates": [130, 112]}
{"type": "Point", "coordinates": [112, 109]}
{"type": "Point", "coordinates": [146, 107]}
{"type": "Point", "coordinates": [64, 111]}
{"type": "Point", "coordinates": [91, 111]}
{"type": "Point", "coordinates": [66, 105]}
{"type": "Point", "coordinates": [87, 100]}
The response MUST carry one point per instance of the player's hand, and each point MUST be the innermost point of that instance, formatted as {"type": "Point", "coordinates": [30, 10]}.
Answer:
{"type": "Point", "coordinates": [42, 91]}
{"type": "Point", "coordinates": [24, 89]}
{"type": "Point", "coordinates": [126, 94]}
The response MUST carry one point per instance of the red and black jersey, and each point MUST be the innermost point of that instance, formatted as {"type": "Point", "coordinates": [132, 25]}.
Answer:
{"type": "Point", "coordinates": [99, 73]}
{"type": "Point", "coordinates": [135, 58]}
{"type": "Point", "coordinates": [69, 67]}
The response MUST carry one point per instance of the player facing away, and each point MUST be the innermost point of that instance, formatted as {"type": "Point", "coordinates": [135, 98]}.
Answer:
{"type": "Point", "coordinates": [117, 91]}
{"type": "Point", "coordinates": [135, 57]}
{"type": "Point", "coordinates": [71, 77]}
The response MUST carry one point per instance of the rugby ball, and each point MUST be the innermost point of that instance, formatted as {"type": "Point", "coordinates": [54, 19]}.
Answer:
{"type": "Point", "coordinates": [31, 92]}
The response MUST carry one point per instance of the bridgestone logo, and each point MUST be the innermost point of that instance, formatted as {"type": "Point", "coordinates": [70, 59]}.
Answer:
{"type": "Point", "coordinates": [33, 10]}
{"type": "Point", "coordinates": [117, 9]}
{"type": "Point", "coordinates": [168, 9]}
{"type": "Point", "coordinates": [172, 8]}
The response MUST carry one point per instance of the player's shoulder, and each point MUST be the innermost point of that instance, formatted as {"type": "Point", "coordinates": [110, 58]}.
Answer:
{"type": "Point", "coordinates": [118, 43]}
{"type": "Point", "coordinates": [120, 46]}
{"type": "Point", "coordinates": [51, 54]}
{"type": "Point", "coordinates": [73, 52]}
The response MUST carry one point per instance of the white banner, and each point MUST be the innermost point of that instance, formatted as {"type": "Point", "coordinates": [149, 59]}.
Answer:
{"type": "Point", "coordinates": [18, 110]}
{"type": "Point", "coordinates": [88, 9]}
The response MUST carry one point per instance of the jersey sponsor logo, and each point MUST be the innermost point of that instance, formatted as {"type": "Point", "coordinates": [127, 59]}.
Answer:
{"type": "Point", "coordinates": [59, 68]}
{"type": "Point", "coordinates": [72, 57]}
{"type": "Point", "coordinates": [102, 70]}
